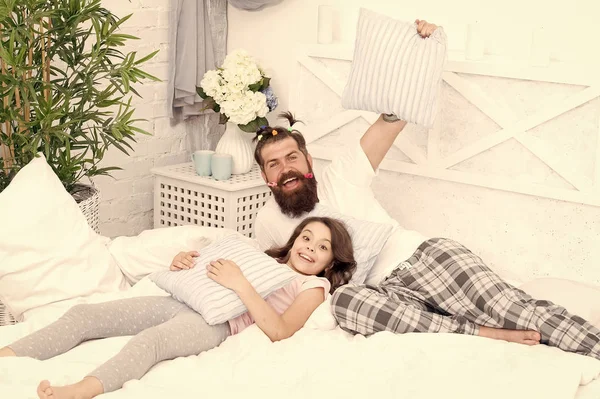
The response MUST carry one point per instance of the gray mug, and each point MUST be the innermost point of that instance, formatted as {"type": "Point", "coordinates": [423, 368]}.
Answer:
{"type": "Point", "coordinates": [221, 165]}
{"type": "Point", "coordinates": [202, 162]}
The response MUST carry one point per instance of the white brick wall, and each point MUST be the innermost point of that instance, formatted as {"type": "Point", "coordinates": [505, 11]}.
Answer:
{"type": "Point", "coordinates": [127, 199]}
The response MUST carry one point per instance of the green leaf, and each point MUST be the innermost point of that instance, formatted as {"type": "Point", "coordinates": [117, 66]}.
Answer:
{"type": "Point", "coordinates": [146, 58]}
{"type": "Point", "coordinates": [223, 119]}
{"type": "Point", "coordinates": [265, 83]}
{"type": "Point", "coordinates": [116, 144]}
{"type": "Point", "coordinates": [256, 86]}
{"type": "Point", "coordinates": [5, 55]}
{"type": "Point", "coordinates": [104, 171]}
{"type": "Point", "coordinates": [254, 125]}
{"type": "Point", "coordinates": [97, 30]}
{"type": "Point", "coordinates": [125, 79]}
{"type": "Point", "coordinates": [141, 131]}
{"type": "Point", "coordinates": [201, 93]}
{"type": "Point", "coordinates": [121, 36]}
{"type": "Point", "coordinates": [142, 74]}
{"type": "Point", "coordinates": [120, 22]}
{"type": "Point", "coordinates": [11, 42]}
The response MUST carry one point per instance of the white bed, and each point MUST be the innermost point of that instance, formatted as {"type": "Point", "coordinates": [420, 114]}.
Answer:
{"type": "Point", "coordinates": [318, 361]}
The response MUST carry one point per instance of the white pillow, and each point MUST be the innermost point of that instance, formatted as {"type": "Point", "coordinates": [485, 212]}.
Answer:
{"type": "Point", "coordinates": [368, 238]}
{"type": "Point", "coordinates": [579, 299]}
{"type": "Point", "coordinates": [48, 252]}
{"type": "Point", "coordinates": [153, 250]}
{"type": "Point", "coordinates": [395, 70]}
{"type": "Point", "coordinates": [214, 302]}
{"type": "Point", "coordinates": [399, 247]}
{"type": "Point", "coordinates": [322, 317]}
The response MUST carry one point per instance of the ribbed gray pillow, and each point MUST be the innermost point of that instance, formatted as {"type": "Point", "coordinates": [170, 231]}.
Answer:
{"type": "Point", "coordinates": [395, 70]}
{"type": "Point", "coordinates": [368, 239]}
{"type": "Point", "coordinates": [214, 302]}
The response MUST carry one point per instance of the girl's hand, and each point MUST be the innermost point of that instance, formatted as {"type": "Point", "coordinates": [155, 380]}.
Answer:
{"type": "Point", "coordinates": [183, 261]}
{"type": "Point", "coordinates": [424, 28]}
{"type": "Point", "coordinates": [227, 273]}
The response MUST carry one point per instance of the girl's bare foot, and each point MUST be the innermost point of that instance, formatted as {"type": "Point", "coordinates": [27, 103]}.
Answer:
{"type": "Point", "coordinates": [84, 389]}
{"type": "Point", "coordinates": [527, 337]}
{"type": "Point", "coordinates": [6, 352]}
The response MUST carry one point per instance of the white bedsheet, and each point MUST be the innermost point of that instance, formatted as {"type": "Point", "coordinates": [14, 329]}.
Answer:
{"type": "Point", "coordinates": [318, 361]}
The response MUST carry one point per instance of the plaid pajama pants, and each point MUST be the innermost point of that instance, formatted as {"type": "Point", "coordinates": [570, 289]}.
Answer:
{"type": "Point", "coordinates": [443, 287]}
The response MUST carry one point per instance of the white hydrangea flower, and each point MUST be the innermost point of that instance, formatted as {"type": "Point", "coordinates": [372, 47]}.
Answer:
{"type": "Point", "coordinates": [236, 108]}
{"type": "Point", "coordinates": [237, 58]}
{"type": "Point", "coordinates": [211, 82]}
{"type": "Point", "coordinates": [241, 76]}
{"type": "Point", "coordinates": [251, 75]}
{"type": "Point", "coordinates": [242, 108]}
{"type": "Point", "coordinates": [233, 80]}
{"type": "Point", "coordinates": [260, 102]}
{"type": "Point", "coordinates": [228, 86]}
{"type": "Point", "coordinates": [225, 91]}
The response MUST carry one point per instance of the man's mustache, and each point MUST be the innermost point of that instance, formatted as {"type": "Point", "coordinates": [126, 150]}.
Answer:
{"type": "Point", "coordinates": [289, 175]}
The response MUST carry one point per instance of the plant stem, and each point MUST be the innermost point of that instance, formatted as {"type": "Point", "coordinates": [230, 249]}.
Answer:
{"type": "Point", "coordinates": [47, 64]}
{"type": "Point", "coordinates": [9, 150]}
{"type": "Point", "coordinates": [20, 109]}
{"type": "Point", "coordinates": [29, 74]}
{"type": "Point", "coordinates": [46, 71]}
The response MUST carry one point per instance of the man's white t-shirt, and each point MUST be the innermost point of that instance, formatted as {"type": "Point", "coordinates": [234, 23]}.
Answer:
{"type": "Point", "coordinates": [345, 186]}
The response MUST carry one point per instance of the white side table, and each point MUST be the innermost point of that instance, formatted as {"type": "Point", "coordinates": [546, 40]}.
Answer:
{"type": "Point", "coordinates": [181, 197]}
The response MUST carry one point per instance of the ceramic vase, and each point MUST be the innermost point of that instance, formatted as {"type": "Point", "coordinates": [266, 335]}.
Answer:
{"type": "Point", "coordinates": [238, 144]}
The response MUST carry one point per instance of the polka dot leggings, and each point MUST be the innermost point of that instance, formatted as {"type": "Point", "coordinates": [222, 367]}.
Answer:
{"type": "Point", "coordinates": [163, 327]}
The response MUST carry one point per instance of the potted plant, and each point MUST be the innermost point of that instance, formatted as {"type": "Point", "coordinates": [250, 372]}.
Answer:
{"type": "Point", "coordinates": [65, 92]}
{"type": "Point", "coordinates": [65, 88]}
{"type": "Point", "coordinates": [240, 92]}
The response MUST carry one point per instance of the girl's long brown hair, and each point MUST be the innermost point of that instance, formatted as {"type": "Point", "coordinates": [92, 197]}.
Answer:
{"type": "Point", "coordinates": [343, 264]}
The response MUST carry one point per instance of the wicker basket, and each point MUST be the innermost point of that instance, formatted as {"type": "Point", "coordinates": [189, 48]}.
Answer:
{"type": "Point", "coordinates": [88, 199]}
{"type": "Point", "coordinates": [5, 317]}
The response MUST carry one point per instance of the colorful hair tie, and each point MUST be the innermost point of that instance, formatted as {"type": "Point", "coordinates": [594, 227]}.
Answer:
{"type": "Point", "coordinates": [274, 132]}
{"type": "Point", "coordinates": [260, 137]}
{"type": "Point", "coordinates": [263, 127]}
{"type": "Point", "coordinates": [290, 129]}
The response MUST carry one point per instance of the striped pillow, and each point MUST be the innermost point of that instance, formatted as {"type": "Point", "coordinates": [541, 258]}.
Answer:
{"type": "Point", "coordinates": [368, 238]}
{"type": "Point", "coordinates": [395, 70]}
{"type": "Point", "coordinates": [214, 302]}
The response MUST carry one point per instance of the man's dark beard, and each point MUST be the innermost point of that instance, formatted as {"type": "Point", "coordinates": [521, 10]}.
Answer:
{"type": "Point", "coordinates": [302, 199]}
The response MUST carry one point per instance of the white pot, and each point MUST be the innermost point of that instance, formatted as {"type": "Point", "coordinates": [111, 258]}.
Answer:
{"type": "Point", "coordinates": [238, 144]}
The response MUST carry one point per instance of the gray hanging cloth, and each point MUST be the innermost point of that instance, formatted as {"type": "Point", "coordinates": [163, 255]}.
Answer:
{"type": "Point", "coordinates": [253, 5]}
{"type": "Point", "coordinates": [197, 43]}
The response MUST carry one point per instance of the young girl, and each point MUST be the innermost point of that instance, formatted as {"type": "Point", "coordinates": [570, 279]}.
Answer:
{"type": "Point", "coordinates": [319, 250]}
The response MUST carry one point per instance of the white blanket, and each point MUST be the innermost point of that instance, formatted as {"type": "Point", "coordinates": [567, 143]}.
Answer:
{"type": "Point", "coordinates": [318, 361]}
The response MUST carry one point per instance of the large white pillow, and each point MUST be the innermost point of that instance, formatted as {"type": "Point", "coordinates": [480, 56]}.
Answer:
{"type": "Point", "coordinates": [578, 298]}
{"type": "Point", "coordinates": [395, 70]}
{"type": "Point", "coordinates": [399, 247]}
{"type": "Point", "coordinates": [48, 252]}
{"type": "Point", "coordinates": [214, 302]}
{"type": "Point", "coordinates": [153, 250]}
